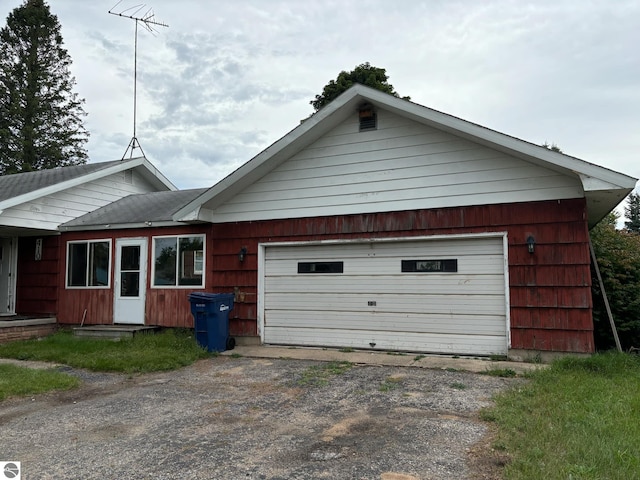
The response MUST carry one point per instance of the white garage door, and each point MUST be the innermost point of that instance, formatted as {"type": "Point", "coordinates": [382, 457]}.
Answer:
{"type": "Point", "coordinates": [441, 296]}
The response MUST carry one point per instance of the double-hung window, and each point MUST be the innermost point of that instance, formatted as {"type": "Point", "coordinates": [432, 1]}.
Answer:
{"type": "Point", "coordinates": [178, 261]}
{"type": "Point", "coordinates": [88, 263]}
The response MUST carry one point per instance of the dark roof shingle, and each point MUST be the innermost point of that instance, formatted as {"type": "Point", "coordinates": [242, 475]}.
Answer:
{"type": "Point", "coordinates": [140, 208]}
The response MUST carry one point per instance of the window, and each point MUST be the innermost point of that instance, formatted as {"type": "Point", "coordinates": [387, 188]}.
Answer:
{"type": "Point", "coordinates": [88, 263]}
{"type": "Point", "coordinates": [427, 266]}
{"type": "Point", "coordinates": [178, 261]}
{"type": "Point", "coordinates": [320, 267]}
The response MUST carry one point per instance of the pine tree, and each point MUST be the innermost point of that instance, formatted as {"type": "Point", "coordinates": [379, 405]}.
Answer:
{"type": "Point", "coordinates": [632, 212]}
{"type": "Point", "coordinates": [41, 118]}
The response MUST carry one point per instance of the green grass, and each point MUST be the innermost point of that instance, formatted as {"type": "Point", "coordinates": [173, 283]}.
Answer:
{"type": "Point", "coordinates": [458, 386]}
{"type": "Point", "coordinates": [168, 350]}
{"type": "Point", "coordinates": [578, 419]}
{"type": "Point", "coordinates": [319, 375]}
{"type": "Point", "coordinates": [21, 381]}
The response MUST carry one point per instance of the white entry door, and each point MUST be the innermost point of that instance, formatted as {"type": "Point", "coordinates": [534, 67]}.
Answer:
{"type": "Point", "coordinates": [8, 265]}
{"type": "Point", "coordinates": [131, 280]}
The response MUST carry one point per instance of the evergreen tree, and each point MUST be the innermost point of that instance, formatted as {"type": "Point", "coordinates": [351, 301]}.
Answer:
{"type": "Point", "coordinates": [632, 212]}
{"type": "Point", "coordinates": [41, 118]}
{"type": "Point", "coordinates": [366, 74]}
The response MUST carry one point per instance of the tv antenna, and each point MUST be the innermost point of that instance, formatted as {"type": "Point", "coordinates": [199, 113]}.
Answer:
{"type": "Point", "coordinates": [145, 16]}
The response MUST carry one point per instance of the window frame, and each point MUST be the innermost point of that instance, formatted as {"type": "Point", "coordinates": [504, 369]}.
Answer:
{"type": "Point", "coordinates": [88, 243]}
{"type": "Point", "coordinates": [335, 267]}
{"type": "Point", "coordinates": [445, 265]}
{"type": "Point", "coordinates": [179, 261]}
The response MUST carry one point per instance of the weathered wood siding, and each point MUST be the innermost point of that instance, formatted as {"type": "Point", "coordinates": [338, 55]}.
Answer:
{"type": "Point", "coordinates": [167, 307]}
{"type": "Point", "coordinates": [550, 290]}
{"type": "Point", "coordinates": [48, 212]}
{"type": "Point", "coordinates": [403, 165]}
{"type": "Point", "coordinates": [36, 284]}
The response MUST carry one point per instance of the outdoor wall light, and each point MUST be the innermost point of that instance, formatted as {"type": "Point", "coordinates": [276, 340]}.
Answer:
{"type": "Point", "coordinates": [242, 254]}
{"type": "Point", "coordinates": [531, 243]}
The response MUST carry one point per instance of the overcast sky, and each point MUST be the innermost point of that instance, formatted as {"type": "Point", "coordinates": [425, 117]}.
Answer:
{"type": "Point", "coordinates": [228, 78]}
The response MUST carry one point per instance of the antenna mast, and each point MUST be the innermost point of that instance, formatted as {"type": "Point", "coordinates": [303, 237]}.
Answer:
{"type": "Point", "coordinates": [145, 16]}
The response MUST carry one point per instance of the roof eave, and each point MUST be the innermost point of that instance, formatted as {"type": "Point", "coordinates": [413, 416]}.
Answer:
{"type": "Point", "coordinates": [118, 226]}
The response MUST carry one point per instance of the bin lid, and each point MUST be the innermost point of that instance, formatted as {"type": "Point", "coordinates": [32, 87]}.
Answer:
{"type": "Point", "coordinates": [203, 297]}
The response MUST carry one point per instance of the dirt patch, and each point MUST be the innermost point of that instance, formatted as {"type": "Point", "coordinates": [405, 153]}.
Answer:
{"type": "Point", "coordinates": [242, 418]}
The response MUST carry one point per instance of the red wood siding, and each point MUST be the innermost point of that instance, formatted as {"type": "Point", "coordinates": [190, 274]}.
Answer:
{"type": "Point", "coordinates": [550, 289]}
{"type": "Point", "coordinates": [167, 307]}
{"type": "Point", "coordinates": [36, 292]}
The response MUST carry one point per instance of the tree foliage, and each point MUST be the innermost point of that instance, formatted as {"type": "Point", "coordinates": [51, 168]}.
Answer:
{"type": "Point", "coordinates": [632, 213]}
{"type": "Point", "coordinates": [366, 74]}
{"type": "Point", "coordinates": [41, 118]}
{"type": "Point", "coordinates": [618, 254]}
{"type": "Point", "coordinates": [553, 147]}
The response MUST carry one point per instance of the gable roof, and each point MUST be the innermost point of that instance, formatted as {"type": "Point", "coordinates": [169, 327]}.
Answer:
{"type": "Point", "coordinates": [24, 187]}
{"type": "Point", "coordinates": [134, 211]}
{"type": "Point", "coordinates": [603, 188]}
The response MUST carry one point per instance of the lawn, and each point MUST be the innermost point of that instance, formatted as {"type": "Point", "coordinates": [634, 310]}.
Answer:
{"type": "Point", "coordinates": [168, 350]}
{"type": "Point", "coordinates": [20, 381]}
{"type": "Point", "coordinates": [578, 419]}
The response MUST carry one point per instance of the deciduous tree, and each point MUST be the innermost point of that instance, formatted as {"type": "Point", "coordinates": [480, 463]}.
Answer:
{"type": "Point", "coordinates": [618, 254]}
{"type": "Point", "coordinates": [366, 74]}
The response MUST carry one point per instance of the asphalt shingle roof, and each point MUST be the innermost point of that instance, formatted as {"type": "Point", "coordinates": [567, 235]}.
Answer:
{"type": "Point", "coordinates": [140, 208]}
{"type": "Point", "coordinates": [21, 183]}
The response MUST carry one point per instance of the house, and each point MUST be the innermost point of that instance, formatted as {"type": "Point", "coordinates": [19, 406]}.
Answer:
{"type": "Point", "coordinates": [377, 223]}
{"type": "Point", "coordinates": [33, 205]}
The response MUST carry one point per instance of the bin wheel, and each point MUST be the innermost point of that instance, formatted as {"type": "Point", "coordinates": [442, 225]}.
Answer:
{"type": "Point", "coordinates": [231, 343]}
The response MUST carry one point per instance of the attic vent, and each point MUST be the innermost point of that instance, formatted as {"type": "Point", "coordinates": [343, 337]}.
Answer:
{"type": "Point", "coordinates": [368, 118]}
{"type": "Point", "coordinates": [128, 176]}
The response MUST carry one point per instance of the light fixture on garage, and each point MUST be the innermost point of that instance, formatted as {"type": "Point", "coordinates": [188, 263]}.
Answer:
{"type": "Point", "coordinates": [242, 254]}
{"type": "Point", "coordinates": [531, 243]}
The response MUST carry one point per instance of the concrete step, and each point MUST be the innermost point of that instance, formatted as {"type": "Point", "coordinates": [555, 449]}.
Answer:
{"type": "Point", "coordinates": [115, 332]}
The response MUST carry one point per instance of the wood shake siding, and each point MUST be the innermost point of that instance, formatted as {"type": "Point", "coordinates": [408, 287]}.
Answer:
{"type": "Point", "coordinates": [166, 307]}
{"type": "Point", "coordinates": [36, 292]}
{"type": "Point", "coordinates": [550, 290]}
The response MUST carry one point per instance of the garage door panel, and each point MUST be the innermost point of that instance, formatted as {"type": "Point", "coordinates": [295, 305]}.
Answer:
{"type": "Point", "coordinates": [388, 322]}
{"type": "Point", "coordinates": [413, 284]}
{"type": "Point", "coordinates": [489, 264]}
{"type": "Point", "coordinates": [405, 303]}
{"type": "Point", "coordinates": [463, 247]}
{"type": "Point", "coordinates": [441, 343]}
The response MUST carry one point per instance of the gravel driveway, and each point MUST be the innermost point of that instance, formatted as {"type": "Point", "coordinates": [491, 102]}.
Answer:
{"type": "Point", "coordinates": [247, 418]}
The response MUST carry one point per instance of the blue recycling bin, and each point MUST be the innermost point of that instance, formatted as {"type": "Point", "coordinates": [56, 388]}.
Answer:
{"type": "Point", "coordinates": [211, 320]}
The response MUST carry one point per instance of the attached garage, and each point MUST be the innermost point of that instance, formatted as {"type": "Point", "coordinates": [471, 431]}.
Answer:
{"type": "Point", "coordinates": [439, 294]}
{"type": "Point", "coordinates": [380, 223]}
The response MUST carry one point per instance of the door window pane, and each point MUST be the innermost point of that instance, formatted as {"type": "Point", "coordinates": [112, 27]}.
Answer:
{"type": "Point", "coordinates": [129, 284]}
{"type": "Point", "coordinates": [130, 257]}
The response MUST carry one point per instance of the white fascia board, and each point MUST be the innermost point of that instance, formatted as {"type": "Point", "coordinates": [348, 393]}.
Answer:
{"type": "Point", "coordinates": [198, 214]}
{"type": "Point", "coordinates": [119, 226]}
{"type": "Point", "coordinates": [58, 187]}
{"type": "Point", "coordinates": [157, 175]}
